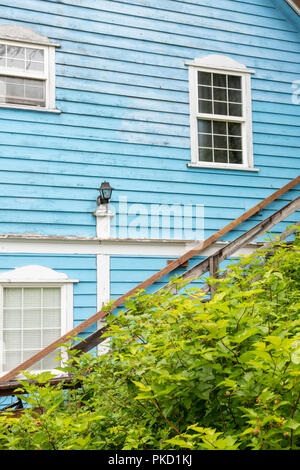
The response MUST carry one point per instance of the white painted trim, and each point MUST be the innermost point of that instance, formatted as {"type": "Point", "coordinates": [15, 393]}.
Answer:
{"type": "Point", "coordinates": [1, 331]}
{"type": "Point", "coordinates": [223, 65]}
{"type": "Point", "coordinates": [219, 62]}
{"type": "Point", "coordinates": [103, 280]}
{"type": "Point", "coordinates": [112, 247]}
{"type": "Point", "coordinates": [16, 32]}
{"type": "Point", "coordinates": [30, 108]}
{"type": "Point", "coordinates": [103, 294]}
{"type": "Point", "coordinates": [41, 277]}
{"type": "Point", "coordinates": [219, 166]}
{"type": "Point", "coordinates": [103, 221]}
{"type": "Point", "coordinates": [34, 274]}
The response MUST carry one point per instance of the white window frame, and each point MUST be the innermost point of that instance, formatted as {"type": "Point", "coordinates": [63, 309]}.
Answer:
{"type": "Point", "coordinates": [48, 75]}
{"type": "Point", "coordinates": [227, 66]}
{"type": "Point", "coordinates": [39, 276]}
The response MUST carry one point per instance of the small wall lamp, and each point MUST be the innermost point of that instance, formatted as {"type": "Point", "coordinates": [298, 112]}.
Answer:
{"type": "Point", "coordinates": [105, 191]}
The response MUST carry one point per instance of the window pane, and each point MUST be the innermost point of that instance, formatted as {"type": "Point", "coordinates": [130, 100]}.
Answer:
{"type": "Point", "coordinates": [235, 96]}
{"type": "Point", "coordinates": [50, 362]}
{"type": "Point", "coordinates": [32, 318]}
{"type": "Point", "coordinates": [220, 94]}
{"type": "Point", "coordinates": [219, 80]}
{"type": "Point", "coordinates": [220, 108]}
{"type": "Point", "coordinates": [33, 315]}
{"type": "Point", "coordinates": [32, 339]}
{"type": "Point", "coordinates": [49, 336]}
{"type": "Point", "coordinates": [11, 360]}
{"type": "Point", "coordinates": [12, 318]}
{"type": "Point", "coordinates": [16, 52]}
{"type": "Point", "coordinates": [205, 92]}
{"type": "Point", "coordinates": [234, 82]}
{"type": "Point", "coordinates": [12, 340]}
{"type": "Point", "coordinates": [226, 148]}
{"type": "Point", "coordinates": [34, 92]}
{"type": "Point", "coordinates": [204, 78]}
{"type": "Point", "coordinates": [235, 157]}
{"type": "Point", "coordinates": [204, 126]}
{"type": "Point", "coordinates": [220, 156]}
{"type": "Point", "coordinates": [32, 297]}
{"type": "Point", "coordinates": [34, 54]}
{"type": "Point", "coordinates": [15, 64]}
{"type": "Point", "coordinates": [205, 155]}
{"type": "Point", "coordinates": [234, 128]}
{"type": "Point", "coordinates": [220, 127]}
{"type": "Point", "coordinates": [35, 66]}
{"type": "Point", "coordinates": [220, 142]}
{"type": "Point", "coordinates": [235, 143]}
{"type": "Point", "coordinates": [51, 297]}
{"type": "Point", "coordinates": [12, 297]}
{"type": "Point", "coordinates": [235, 109]}
{"type": "Point", "coordinates": [51, 318]}
{"type": "Point", "coordinates": [205, 107]}
{"type": "Point", "coordinates": [28, 354]}
{"type": "Point", "coordinates": [22, 91]}
{"type": "Point", "coordinates": [22, 58]}
{"type": "Point", "coordinates": [205, 140]}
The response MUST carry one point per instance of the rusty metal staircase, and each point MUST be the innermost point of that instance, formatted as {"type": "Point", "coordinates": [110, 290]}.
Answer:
{"type": "Point", "coordinates": [209, 264]}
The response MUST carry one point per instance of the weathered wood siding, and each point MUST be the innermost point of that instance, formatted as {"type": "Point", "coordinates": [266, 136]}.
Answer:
{"type": "Point", "coordinates": [122, 87]}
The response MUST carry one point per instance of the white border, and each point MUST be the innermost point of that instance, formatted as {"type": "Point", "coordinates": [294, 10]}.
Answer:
{"type": "Point", "coordinates": [223, 65]}
{"type": "Point", "coordinates": [39, 276]}
{"type": "Point", "coordinates": [48, 75]}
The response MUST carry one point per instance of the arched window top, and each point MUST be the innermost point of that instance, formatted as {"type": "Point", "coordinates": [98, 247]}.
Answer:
{"type": "Point", "coordinates": [34, 273]}
{"type": "Point", "coordinates": [218, 61]}
{"type": "Point", "coordinates": [13, 32]}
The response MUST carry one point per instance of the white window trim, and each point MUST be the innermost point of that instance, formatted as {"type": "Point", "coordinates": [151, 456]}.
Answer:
{"type": "Point", "coordinates": [48, 75]}
{"type": "Point", "coordinates": [226, 65]}
{"type": "Point", "coordinates": [39, 276]}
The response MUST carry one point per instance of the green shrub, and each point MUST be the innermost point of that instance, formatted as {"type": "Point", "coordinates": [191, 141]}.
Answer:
{"type": "Point", "coordinates": [183, 373]}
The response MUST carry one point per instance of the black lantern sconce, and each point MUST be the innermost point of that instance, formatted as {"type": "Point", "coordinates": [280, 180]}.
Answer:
{"type": "Point", "coordinates": [105, 191]}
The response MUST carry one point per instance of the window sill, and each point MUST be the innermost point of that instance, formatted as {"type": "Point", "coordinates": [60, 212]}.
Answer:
{"type": "Point", "coordinates": [227, 167]}
{"type": "Point", "coordinates": [30, 108]}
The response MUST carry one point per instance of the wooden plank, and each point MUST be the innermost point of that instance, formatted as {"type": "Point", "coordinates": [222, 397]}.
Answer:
{"type": "Point", "coordinates": [9, 388]}
{"type": "Point", "coordinates": [18, 413]}
{"type": "Point", "coordinates": [143, 285]}
{"type": "Point", "coordinates": [227, 251]}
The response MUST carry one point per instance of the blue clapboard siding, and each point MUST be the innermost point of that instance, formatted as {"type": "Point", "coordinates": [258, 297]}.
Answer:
{"type": "Point", "coordinates": [122, 87]}
{"type": "Point", "coordinates": [127, 272]}
{"type": "Point", "coordinates": [80, 267]}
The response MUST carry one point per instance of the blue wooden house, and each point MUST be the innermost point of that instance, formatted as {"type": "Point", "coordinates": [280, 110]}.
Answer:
{"type": "Point", "coordinates": [189, 110]}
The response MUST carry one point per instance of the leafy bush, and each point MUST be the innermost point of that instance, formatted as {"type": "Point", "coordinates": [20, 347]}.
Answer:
{"type": "Point", "coordinates": [183, 372]}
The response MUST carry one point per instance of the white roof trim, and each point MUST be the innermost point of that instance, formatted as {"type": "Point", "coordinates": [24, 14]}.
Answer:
{"type": "Point", "coordinates": [219, 62]}
{"type": "Point", "coordinates": [34, 274]}
{"type": "Point", "coordinates": [14, 32]}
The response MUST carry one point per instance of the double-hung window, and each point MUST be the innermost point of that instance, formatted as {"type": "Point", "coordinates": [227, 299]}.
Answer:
{"type": "Point", "coordinates": [36, 308]}
{"type": "Point", "coordinates": [220, 114]}
{"type": "Point", "coordinates": [27, 70]}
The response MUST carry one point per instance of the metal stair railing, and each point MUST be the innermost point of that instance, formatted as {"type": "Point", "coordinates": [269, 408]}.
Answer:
{"type": "Point", "coordinates": [152, 279]}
